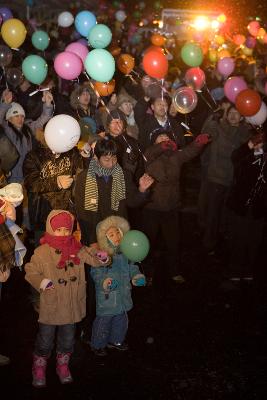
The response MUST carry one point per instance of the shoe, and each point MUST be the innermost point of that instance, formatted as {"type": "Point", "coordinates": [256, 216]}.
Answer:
{"type": "Point", "coordinates": [178, 279]}
{"type": "Point", "coordinates": [39, 371]}
{"type": "Point", "coordinates": [99, 352]}
{"type": "Point", "coordinates": [118, 346]}
{"type": "Point", "coordinates": [4, 360]}
{"type": "Point", "coordinates": [62, 368]}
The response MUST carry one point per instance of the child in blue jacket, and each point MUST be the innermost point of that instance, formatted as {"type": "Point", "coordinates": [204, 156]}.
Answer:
{"type": "Point", "coordinates": [113, 288]}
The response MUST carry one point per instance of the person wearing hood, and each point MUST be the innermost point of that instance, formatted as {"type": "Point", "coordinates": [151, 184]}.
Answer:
{"type": "Point", "coordinates": [56, 271]}
{"type": "Point", "coordinates": [21, 134]}
{"type": "Point", "coordinates": [83, 101]}
{"type": "Point", "coordinates": [113, 288]}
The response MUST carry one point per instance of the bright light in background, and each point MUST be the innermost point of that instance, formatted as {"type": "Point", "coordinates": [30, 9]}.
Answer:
{"type": "Point", "coordinates": [221, 18]}
{"type": "Point", "coordinates": [215, 24]}
{"type": "Point", "coordinates": [201, 23]}
{"type": "Point", "coordinates": [160, 24]}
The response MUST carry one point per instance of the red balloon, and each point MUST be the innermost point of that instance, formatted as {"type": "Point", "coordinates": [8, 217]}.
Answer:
{"type": "Point", "coordinates": [248, 102]}
{"type": "Point", "coordinates": [155, 64]}
{"type": "Point", "coordinates": [195, 78]}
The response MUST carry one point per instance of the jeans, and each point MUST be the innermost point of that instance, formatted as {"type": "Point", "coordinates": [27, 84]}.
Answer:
{"type": "Point", "coordinates": [109, 329]}
{"type": "Point", "coordinates": [46, 335]}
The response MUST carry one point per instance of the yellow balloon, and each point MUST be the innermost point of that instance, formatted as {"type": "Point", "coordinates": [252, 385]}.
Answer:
{"type": "Point", "coordinates": [13, 32]}
{"type": "Point", "coordinates": [213, 56]}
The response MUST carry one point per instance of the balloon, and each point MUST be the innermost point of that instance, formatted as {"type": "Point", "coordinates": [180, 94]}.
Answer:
{"type": "Point", "coordinates": [135, 245]}
{"type": "Point", "coordinates": [213, 56]}
{"type": "Point", "coordinates": [100, 65]}
{"type": "Point", "coordinates": [88, 128]}
{"type": "Point", "coordinates": [247, 51]}
{"type": "Point", "coordinates": [115, 50]}
{"type": "Point", "coordinates": [83, 41]}
{"type": "Point", "coordinates": [79, 49]}
{"type": "Point", "coordinates": [5, 56]}
{"type": "Point", "coordinates": [250, 42]}
{"type": "Point", "coordinates": [233, 86]}
{"type": "Point", "coordinates": [191, 54]}
{"type": "Point", "coordinates": [65, 19]}
{"type": "Point", "coordinates": [195, 78]}
{"type": "Point", "coordinates": [62, 133]}
{"type": "Point", "coordinates": [157, 40]}
{"type": "Point", "coordinates": [260, 117]}
{"type": "Point", "coordinates": [226, 66]}
{"type": "Point", "coordinates": [34, 69]}
{"type": "Point", "coordinates": [253, 28]}
{"type": "Point", "coordinates": [14, 76]}
{"type": "Point", "coordinates": [105, 89]}
{"type": "Point", "coordinates": [5, 13]}
{"type": "Point", "coordinates": [184, 100]}
{"type": "Point", "coordinates": [84, 21]}
{"type": "Point", "coordinates": [100, 36]}
{"type": "Point", "coordinates": [125, 63]}
{"type": "Point", "coordinates": [40, 40]}
{"type": "Point", "coordinates": [223, 53]}
{"type": "Point", "coordinates": [239, 39]}
{"type": "Point", "coordinates": [68, 65]}
{"type": "Point", "coordinates": [155, 48]}
{"type": "Point", "coordinates": [13, 32]}
{"type": "Point", "coordinates": [248, 102]}
{"type": "Point", "coordinates": [219, 39]}
{"type": "Point", "coordinates": [120, 16]}
{"type": "Point", "coordinates": [155, 64]}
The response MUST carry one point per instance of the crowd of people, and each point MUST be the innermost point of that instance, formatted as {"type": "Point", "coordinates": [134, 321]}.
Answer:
{"type": "Point", "coordinates": [125, 173]}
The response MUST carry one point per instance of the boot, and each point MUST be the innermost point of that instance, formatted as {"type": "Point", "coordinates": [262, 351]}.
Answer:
{"type": "Point", "coordinates": [38, 371]}
{"type": "Point", "coordinates": [63, 368]}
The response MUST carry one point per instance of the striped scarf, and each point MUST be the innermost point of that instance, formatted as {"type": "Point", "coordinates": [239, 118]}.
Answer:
{"type": "Point", "coordinates": [118, 191]}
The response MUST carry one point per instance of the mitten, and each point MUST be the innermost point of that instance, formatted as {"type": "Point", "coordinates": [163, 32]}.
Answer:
{"type": "Point", "coordinates": [102, 256]}
{"type": "Point", "coordinates": [139, 280]}
{"type": "Point", "coordinates": [202, 139]}
{"type": "Point", "coordinates": [46, 284]}
{"type": "Point", "coordinates": [110, 284]}
{"type": "Point", "coordinates": [168, 145]}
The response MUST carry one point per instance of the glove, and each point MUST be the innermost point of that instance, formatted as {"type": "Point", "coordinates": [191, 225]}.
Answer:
{"type": "Point", "coordinates": [102, 256]}
{"type": "Point", "coordinates": [110, 284]}
{"type": "Point", "coordinates": [202, 139]}
{"type": "Point", "coordinates": [64, 181]}
{"type": "Point", "coordinates": [168, 145]}
{"type": "Point", "coordinates": [46, 284]}
{"type": "Point", "coordinates": [139, 280]}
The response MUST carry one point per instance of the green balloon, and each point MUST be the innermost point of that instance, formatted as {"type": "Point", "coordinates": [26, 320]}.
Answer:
{"type": "Point", "coordinates": [135, 245]}
{"type": "Point", "coordinates": [192, 54]}
{"type": "Point", "coordinates": [100, 65]}
{"type": "Point", "coordinates": [40, 40]}
{"type": "Point", "coordinates": [34, 69]}
{"type": "Point", "coordinates": [99, 36]}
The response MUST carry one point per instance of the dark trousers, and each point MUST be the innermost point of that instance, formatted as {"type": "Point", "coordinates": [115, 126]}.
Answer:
{"type": "Point", "coordinates": [163, 225]}
{"type": "Point", "coordinates": [213, 212]}
{"type": "Point", "coordinates": [46, 336]}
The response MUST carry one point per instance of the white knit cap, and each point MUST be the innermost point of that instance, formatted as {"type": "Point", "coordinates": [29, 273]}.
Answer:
{"type": "Point", "coordinates": [13, 193]}
{"type": "Point", "coordinates": [14, 110]}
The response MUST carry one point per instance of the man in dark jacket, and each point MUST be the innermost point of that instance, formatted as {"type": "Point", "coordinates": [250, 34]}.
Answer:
{"type": "Point", "coordinates": [154, 118]}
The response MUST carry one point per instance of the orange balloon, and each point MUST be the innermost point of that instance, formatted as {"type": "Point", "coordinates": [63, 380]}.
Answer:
{"type": "Point", "coordinates": [105, 88]}
{"type": "Point", "coordinates": [115, 51]}
{"type": "Point", "coordinates": [239, 39]}
{"type": "Point", "coordinates": [125, 63]}
{"type": "Point", "coordinates": [158, 40]}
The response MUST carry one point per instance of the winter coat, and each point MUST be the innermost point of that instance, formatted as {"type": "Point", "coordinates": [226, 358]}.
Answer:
{"type": "Point", "coordinates": [165, 167]}
{"type": "Point", "coordinates": [248, 194]}
{"type": "Point", "coordinates": [217, 156]}
{"type": "Point", "coordinates": [66, 303]}
{"type": "Point", "coordinates": [41, 169]}
{"type": "Point", "coordinates": [147, 123]}
{"type": "Point", "coordinates": [116, 301]}
{"type": "Point", "coordinates": [25, 145]}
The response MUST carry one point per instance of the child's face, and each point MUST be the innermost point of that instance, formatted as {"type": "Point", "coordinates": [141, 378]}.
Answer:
{"type": "Point", "coordinates": [114, 235]}
{"type": "Point", "coordinates": [62, 232]}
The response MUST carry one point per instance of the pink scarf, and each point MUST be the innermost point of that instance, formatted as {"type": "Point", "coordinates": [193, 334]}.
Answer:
{"type": "Point", "coordinates": [68, 246]}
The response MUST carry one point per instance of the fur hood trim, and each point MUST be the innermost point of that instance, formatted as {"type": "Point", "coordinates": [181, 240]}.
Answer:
{"type": "Point", "coordinates": [104, 225]}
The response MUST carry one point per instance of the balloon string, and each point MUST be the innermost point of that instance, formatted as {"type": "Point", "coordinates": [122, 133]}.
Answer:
{"type": "Point", "coordinates": [134, 72]}
{"type": "Point", "coordinates": [132, 79]}
{"type": "Point", "coordinates": [4, 75]}
{"type": "Point", "coordinates": [206, 101]}
{"type": "Point", "coordinates": [97, 94]}
{"type": "Point", "coordinates": [38, 90]}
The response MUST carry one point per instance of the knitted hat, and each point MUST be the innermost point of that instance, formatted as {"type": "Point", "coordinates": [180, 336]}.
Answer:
{"type": "Point", "coordinates": [62, 220]}
{"type": "Point", "coordinates": [15, 110]}
{"type": "Point", "coordinates": [12, 193]}
{"type": "Point", "coordinates": [157, 132]}
{"type": "Point", "coordinates": [124, 98]}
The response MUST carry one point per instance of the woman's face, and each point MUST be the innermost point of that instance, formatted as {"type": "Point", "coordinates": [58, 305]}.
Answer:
{"type": "Point", "coordinates": [233, 117]}
{"type": "Point", "coordinates": [126, 108]}
{"type": "Point", "coordinates": [17, 121]}
{"type": "Point", "coordinates": [84, 98]}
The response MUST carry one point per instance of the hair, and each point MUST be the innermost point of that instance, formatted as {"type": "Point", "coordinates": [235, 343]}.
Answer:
{"type": "Point", "coordinates": [105, 147]}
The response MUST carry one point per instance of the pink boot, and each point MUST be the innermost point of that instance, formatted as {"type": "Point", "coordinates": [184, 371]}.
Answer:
{"type": "Point", "coordinates": [38, 371]}
{"type": "Point", "coordinates": [63, 368]}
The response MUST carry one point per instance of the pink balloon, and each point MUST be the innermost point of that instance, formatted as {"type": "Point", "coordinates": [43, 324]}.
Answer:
{"type": "Point", "coordinates": [226, 66]}
{"type": "Point", "coordinates": [79, 49]}
{"type": "Point", "coordinates": [195, 78]}
{"type": "Point", "coordinates": [233, 86]}
{"type": "Point", "coordinates": [253, 28]}
{"type": "Point", "coordinates": [68, 65]}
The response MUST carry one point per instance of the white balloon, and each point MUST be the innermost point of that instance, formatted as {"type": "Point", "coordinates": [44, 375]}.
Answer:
{"type": "Point", "coordinates": [65, 19]}
{"type": "Point", "coordinates": [120, 16]}
{"type": "Point", "coordinates": [62, 133]}
{"type": "Point", "coordinates": [260, 117]}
